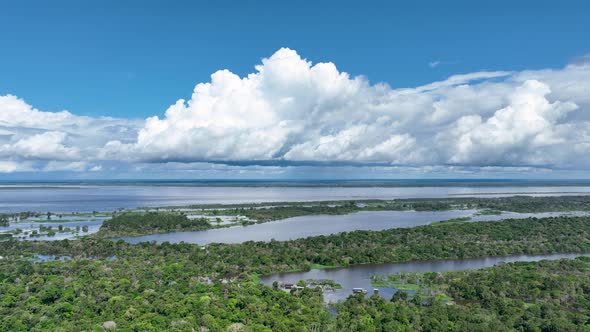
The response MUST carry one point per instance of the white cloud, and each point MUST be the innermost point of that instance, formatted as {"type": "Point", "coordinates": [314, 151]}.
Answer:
{"type": "Point", "coordinates": [12, 166]}
{"type": "Point", "coordinates": [60, 166]}
{"type": "Point", "coordinates": [32, 137]}
{"type": "Point", "coordinates": [96, 168]}
{"type": "Point", "coordinates": [48, 145]}
{"type": "Point", "coordinates": [290, 111]}
{"type": "Point", "coordinates": [516, 134]}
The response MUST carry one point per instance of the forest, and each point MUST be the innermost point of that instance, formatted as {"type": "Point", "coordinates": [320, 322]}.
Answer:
{"type": "Point", "coordinates": [441, 241]}
{"type": "Point", "coordinates": [180, 287]}
{"type": "Point", "coordinates": [133, 224]}
{"type": "Point", "coordinates": [167, 288]}
{"type": "Point", "coordinates": [534, 296]}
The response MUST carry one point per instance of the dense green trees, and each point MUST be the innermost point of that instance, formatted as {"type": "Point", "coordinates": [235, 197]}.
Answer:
{"type": "Point", "coordinates": [163, 287]}
{"type": "Point", "coordinates": [302, 209]}
{"type": "Point", "coordinates": [164, 294]}
{"type": "Point", "coordinates": [131, 224]}
{"type": "Point", "coordinates": [542, 296]}
{"type": "Point", "coordinates": [263, 212]}
{"type": "Point", "coordinates": [443, 241]}
{"type": "Point", "coordinates": [158, 295]}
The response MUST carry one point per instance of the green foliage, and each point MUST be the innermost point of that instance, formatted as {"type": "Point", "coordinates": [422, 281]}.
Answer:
{"type": "Point", "coordinates": [445, 241]}
{"type": "Point", "coordinates": [181, 287]}
{"type": "Point", "coordinates": [302, 209]}
{"type": "Point", "coordinates": [158, 295]}
{"type": "Point", "coordinates": [133, 224]}
{"type": "Point", "coordinates": [264, 212]}
{"type": "Point", "coordinates": [451, 221]}
{"type": "Point", "coordinates": [535, 296]}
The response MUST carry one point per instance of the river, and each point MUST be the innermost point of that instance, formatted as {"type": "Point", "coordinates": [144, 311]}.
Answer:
{"type": "Point", "coordinates": [87, 198]}
{"type": "Point", "coordinates": [359, 276]}
{"type": "Point", "coordinates": [306, 226]}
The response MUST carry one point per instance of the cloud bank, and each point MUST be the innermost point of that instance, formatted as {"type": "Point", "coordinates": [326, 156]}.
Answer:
{"type": "Point", "coordinates": [293, 112]}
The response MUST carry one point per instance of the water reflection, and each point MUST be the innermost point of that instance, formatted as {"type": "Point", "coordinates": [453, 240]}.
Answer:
{"type": "Point", "coordinates": [306, 226]}
{"type": "Point", "coordinates": [359, 276]}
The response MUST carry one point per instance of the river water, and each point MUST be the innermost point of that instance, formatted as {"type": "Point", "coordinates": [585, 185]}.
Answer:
{"type": "Point", "coordinates": [87, 198]}
{"type": "Point", "coordinates": [306, 226]}
{"type": "Point", "coordinates": [359, 276]}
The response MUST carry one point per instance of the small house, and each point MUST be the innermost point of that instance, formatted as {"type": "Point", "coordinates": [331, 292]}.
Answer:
{"type": "Point", "coordinates": [359, 291]}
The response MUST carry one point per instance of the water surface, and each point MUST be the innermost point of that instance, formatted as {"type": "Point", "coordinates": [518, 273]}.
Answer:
{"type": "Point", "coordinates": [306, 226]}
{"type": "Point", "coordinates": [359, 276]}
{"type": "Point", "coordinates": [87, 198]}
{"type": "Point", "coordinates": [93, 224]}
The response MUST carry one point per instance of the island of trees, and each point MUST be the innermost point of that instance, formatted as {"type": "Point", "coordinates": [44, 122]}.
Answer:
{"type": "Point", "coordinates": [134, 224]}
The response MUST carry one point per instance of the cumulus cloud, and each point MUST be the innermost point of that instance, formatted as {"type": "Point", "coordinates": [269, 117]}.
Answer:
{"type": "Point", "coordinates": [518, 133]}
{"type": "Point", "coordinates": [34, 140]}
{"type": "Point", "coordinates": [48, 145]}
{"type": "Point", "coordinates": [290, 111]}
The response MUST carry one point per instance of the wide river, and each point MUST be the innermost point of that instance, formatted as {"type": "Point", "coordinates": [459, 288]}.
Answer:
{"type": "Point", "coordinates": [306, 226]}
{"type": "Point", "coordinates": [359, 276]}
{"type": "Point", "coordinates": [87, 198]}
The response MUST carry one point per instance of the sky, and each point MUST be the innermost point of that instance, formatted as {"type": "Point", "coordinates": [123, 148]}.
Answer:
{"type": "Point", "coordinates": [299, 89]}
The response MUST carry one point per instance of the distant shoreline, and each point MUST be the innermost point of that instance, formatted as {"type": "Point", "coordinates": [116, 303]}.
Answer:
{"type": "Point", "coordinates": [405, 183]}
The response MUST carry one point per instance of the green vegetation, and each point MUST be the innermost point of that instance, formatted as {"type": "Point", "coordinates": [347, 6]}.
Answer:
{"type": "Point", "coordinates": [321, 266]}
{"type": "Point", "coordinates": [451, 221]}
{"type": "Point", "coordinates": [134, 224]}
{"type": "Point", "coordinates": [165, 220]}
{"type": "Point", "coordinates": [325, 284]}
{"type": "Point", "coordinates": [264, 212]}
{"type": "Point", "coordinates": [489, 212]}
{"type": "Point", "coordinates": [510, 203]}
{"type": "Point", "coordinates": [400, 281]}
{"type": "Point", "coordinates": [283, 212]}
{"type": "Point", "coordinates": [186, 287]}
{"type": "Point", "coordinates": [541, 296]}
{"type": "Point", "coordinates": [168, 287]}
{"type": "Point", "coordinates": [445, 241]}
{"type": "Point", "coordinates": [160, 294]}
{"type": "Point", "coordinates": [523, 204]}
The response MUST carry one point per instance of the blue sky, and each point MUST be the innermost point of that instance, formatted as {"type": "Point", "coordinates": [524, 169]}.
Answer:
{"type": "Point", "coordinates": [135, 58]}
{"type": "Point", "coordinates": [131, 60]}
